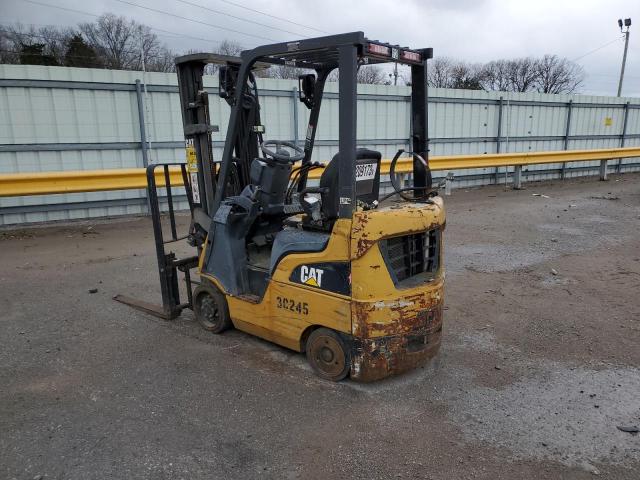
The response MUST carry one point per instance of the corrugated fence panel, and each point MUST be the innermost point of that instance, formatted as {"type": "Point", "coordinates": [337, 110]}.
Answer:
{"type": "Point", "coordinates": [54, 119]}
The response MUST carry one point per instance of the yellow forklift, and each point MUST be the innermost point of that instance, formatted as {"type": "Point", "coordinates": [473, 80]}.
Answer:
{"type": "Point", "coordinates": [324, 269]}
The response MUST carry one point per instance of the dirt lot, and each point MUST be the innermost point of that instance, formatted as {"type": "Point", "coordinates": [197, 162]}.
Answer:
{"type": "Point", "coordinates": [540, 361]}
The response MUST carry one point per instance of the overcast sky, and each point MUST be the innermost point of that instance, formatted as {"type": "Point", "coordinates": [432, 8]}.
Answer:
{"type": "Point", "coordinates": [473, 30]}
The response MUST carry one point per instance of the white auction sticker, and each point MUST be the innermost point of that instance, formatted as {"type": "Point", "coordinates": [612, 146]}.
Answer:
{"type": "Point", "coordinates": [366, 171]}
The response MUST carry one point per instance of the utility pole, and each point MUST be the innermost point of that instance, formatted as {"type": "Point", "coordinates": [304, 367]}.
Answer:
{"type": "Point", "coordinates": [627, 24]}
{"type": "Point", "coordinates": [394, 75]}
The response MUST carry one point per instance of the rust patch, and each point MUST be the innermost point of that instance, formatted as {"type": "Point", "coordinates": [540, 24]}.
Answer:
{"type": "Point", "coordinates": [413, 314]}
{"type": "Point", "coordinates": [364, 243]}
{"type": "Point", "coordinates": [375, 359]}
{"type": "Point", "coordinates": [363, 246]}
{"type": "Point", "coordinates": [407, 342]}
{"type": "Point", "coordinates": [360, 316]}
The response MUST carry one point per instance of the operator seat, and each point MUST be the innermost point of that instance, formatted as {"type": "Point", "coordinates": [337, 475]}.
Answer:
{"type": "Point", "coordinates": [294, 240]}
{"type": "Point", "coordinates": [367, 181]}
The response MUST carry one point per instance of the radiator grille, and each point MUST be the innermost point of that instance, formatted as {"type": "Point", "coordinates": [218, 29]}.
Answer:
{"type": "Point", "coordinates": [411, 255]}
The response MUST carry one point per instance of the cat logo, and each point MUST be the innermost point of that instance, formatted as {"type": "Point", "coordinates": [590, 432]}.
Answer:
{"type": "Point", "coordinates": [311, 276]}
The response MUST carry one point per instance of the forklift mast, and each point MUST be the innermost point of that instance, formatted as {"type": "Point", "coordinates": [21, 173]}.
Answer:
{"type": "Point", "coordinates": [196, 119]}
{"type": "Point", "coordinates": [194, 102]}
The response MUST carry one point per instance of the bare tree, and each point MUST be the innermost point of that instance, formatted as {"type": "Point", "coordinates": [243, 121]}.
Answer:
{"type": "Point", "coordinates": [447, 73]}
{"type": "Point", "coordinates": [549, 74]}
{"type": "Point", "coordinates": [163, 60]}
{"type": "Point", "coordinates": [229, 47]}
{"type": "Point", "coordinates": [439, 72]}
{"type": "Point", "coordinates": [113, 38]}
{"type": "Point", "coordinates": [48, 42]}
{"type": "Point", "coordinates": [496, 76]}
{"type": "Point", "coordinates": [369, 74]}
{"type": "Point", "coordinates": [112, 42]}
{"type": "Point", "coordinates": [56, 41]}
{"type": "Point", "coordinates": [150, 50]}
{"type": "Point", "coordinates": [466, 76]}
{"type": "Point", "coordinates": [119, 43]}
{"type": "Point", "coordinates": [8, 51]}
{"type": "Point", "coordinates": [122, 43]}
{"type": "Point", "coordinates": [557, 75]}
{"type": "Point", "coordinates": [522, 74]}
{"type": "Point", "coordinates": [283, 72]}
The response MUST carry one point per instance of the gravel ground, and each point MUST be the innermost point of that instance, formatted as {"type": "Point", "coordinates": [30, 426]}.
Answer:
{"type": "Point", "coordinates": [540, 362]}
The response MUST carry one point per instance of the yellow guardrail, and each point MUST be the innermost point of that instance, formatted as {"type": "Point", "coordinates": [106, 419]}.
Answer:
{"type": "Point", "coordinates": [44, 183]}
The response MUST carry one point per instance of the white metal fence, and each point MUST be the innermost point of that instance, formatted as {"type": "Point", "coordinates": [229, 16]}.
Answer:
{"type": "Point", "coordinates": [54, 118]}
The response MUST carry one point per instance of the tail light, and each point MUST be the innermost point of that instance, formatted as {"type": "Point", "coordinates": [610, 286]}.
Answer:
{"type": "Point", "coordinates": [376, 49]}
{"type": "Point", "coordinates": [411, 56]}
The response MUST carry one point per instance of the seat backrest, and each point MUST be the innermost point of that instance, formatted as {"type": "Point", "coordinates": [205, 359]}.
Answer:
{"type": "Point", "coordinates": [367, 173]}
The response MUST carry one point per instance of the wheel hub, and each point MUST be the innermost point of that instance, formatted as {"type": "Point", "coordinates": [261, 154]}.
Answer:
{"type": "Point", "coordinates": [328, 355]}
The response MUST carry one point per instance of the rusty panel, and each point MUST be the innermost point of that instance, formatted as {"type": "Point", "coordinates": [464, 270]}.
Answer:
{"type": "Point", "coordinates": [377, 358]}
{"type": "Point", "coordinates": [372, 225]}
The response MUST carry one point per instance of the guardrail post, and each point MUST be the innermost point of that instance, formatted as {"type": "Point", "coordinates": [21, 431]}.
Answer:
{"type": "Point", "coordinates": [402, 178]}
{"type": "Point", "coordinates": [624, 134]}
{"type": "Point", "coordinates": [517, 177]}
{"type": "Point", "coordinates": [567, 129]}
{"type": "Point", "coordinates": [294, 99]}
{"type": "Point", "coordinates": [448, 183]}
{"type": "Point", "coordinates": [603, 170]}
{"type": "Point", "coordinates": [499, 136]}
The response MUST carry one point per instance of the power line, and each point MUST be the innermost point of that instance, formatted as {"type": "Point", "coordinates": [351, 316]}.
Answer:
{"type": "Point", "coordinates": [193, 20]}
{"type": "Point", "coordinates": [273, 16]}
{"type": "Point", "coordinates": [173, 34]}
{"type": "Point", "coordinates": [612, 75]}
{"type": "Point", "coordinates": [59, 52]}
{"type": "Point", "coordinates": [62, 8]}
{"type": "Point", "coordinates": [24, 34]}
{"type": "Point", "coordinates": [240, 18]}
{"type": "Point", "coordinates": [169, 33]}
{"type": "Point", "coordinates": [596, 49]}
{"type": "Point", "coordinates": [81, 12]}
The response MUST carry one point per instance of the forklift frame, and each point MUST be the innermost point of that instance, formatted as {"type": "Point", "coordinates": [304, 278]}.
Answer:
{"type": "Point", "coordinates": [207, 186]}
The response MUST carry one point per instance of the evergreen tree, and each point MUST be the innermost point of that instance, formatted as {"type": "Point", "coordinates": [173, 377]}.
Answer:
{"type": "Point", "coordinates": [34, 55]}
{"type": "Point", "coordinates": [79, 54]}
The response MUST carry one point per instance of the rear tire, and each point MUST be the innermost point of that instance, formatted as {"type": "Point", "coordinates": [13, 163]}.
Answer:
{"type": "Point", "coordinates": [211, 309]}
{"type": "Point", "coordinates": [328, 354]}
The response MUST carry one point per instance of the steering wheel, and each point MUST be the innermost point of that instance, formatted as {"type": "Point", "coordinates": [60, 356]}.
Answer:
{"type": "Point", "coordinates": [427, 191]}
{"type": "Point", "coordinates": [282, 158]}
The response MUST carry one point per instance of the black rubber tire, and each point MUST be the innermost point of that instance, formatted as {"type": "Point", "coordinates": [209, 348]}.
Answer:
{"type": "Point", "coordinates": [328, 354]}
{"type": "Point", "coordinates": [211, 309]}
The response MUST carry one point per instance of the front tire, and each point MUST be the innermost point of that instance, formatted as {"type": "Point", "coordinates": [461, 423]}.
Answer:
{"type": "Point", "coordinates": [328, 354]}
{"type": "Point", "coordinates": [211, 309]}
